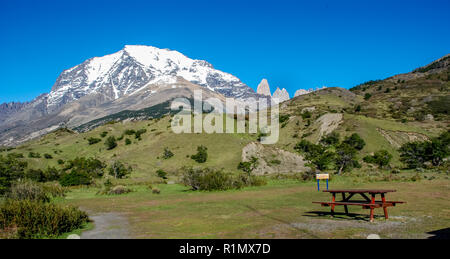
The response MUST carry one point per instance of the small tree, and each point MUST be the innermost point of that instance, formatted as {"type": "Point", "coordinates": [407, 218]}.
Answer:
{"type": "Point", "coordinates": [202, 155]}
{"type": "Point", "coordinates": [355, 141]}
{"type": "Point", "coordinates": [248, 166]}
{"type": "Point", "coordinates": [367, 96]}
{"type": "Point", "coordinates": [330, 139]}
{"type": "Point", "coordinates": [93, 141]}
{"type": "Point", "coordinates": [345, 158]}
{"type": "Point", "coordinates": [381, 158]}
{"type": "Point", "coordinates": [110, 143]}
{"type": "Point", "coordinates": [119, 171]}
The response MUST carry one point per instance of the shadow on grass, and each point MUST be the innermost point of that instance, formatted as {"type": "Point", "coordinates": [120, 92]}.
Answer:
{"type": "Point", "coordinates": [282, 221]}
{"type": "Point", "coordinates": [440, 234]}
{"type": "Point", "coordinates": [339, 215]}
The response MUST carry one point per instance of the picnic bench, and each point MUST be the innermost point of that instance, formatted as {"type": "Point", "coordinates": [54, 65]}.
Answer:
{"type": "Point", "coordinates": [366, 203]}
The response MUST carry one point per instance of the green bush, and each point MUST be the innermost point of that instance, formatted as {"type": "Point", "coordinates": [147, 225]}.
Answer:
{"type": "Point", "coordinates": [75, 178]}
{"type": "Point", "coordinates": [167, 153]}
{"type": "Point", "coordinates": [138, 133]}
{"type": "Point", "coordinates": [416, 154]}
{"type": "Point", "coordinates": [367, 96]}
{"type": "Point", "coordinates": [217, 180]}
{"type": "Point", "coordinates": [127, 141]}
{"type": "Point", "coordinates": [161, 173]}
{"type": "Point", "coordinates": [33, 219]}
{"type": "Point", "coordinates": [355, 141]}
{"type": "Point", "coordinates": [110, 143]}
{"type": "Point", "coordinates": [93, 141]}
{"type": "Point", "coordinates": [380, 158]}
{"type": "Point", "coordinates": [249, 166]}
{"type": "Point", "coordinates": [201, 156]}
{"type": "Point", "coordinates": [330, 139]}
{"type": "Point", "coordinates": [34, 155]}
{"type": "Point", "coordinates": [48, 156]}
{"type": "Point", "coordinates": [103, 134]}
{"type": "Point", "coordinates": [90, 166]}
{"type": "Point", "coordinates": [35, 175]}
{"type": "Point", "coordinates": [345, 159]}
{"type": "Point", "coordinates": [11, 169]}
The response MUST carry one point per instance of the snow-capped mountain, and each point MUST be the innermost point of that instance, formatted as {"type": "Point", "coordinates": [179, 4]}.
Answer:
{"type": "Point", "coordinates": [133, 68]}
{"type": "Point", "coordinates": [133, 78]}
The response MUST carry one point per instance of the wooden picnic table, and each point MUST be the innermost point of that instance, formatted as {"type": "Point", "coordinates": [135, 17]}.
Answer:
{"type": "Point", "coordinates": [367, 203]}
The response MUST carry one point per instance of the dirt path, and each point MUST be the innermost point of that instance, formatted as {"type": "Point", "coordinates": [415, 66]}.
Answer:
{"type": "Point", "coordinates": [108, 226]}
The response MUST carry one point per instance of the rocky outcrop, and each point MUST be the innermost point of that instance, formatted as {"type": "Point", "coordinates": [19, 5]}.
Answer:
{"type": "Point", "coordinates": [264, 88]}
{"type": "Point", "coordinates": [273, 160]}
{"type": "Point", "coordinates": [301, 92]}
{"type": "Point", "coordinates": [281, 95]}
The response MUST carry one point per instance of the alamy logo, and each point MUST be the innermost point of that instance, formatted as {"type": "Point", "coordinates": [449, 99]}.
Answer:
{"type": "Point", "coordinates": [211, 116]}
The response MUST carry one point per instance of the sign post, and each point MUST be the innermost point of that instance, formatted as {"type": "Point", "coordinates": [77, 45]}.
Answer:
{"type": "Point", "coordinates": [322, 177]}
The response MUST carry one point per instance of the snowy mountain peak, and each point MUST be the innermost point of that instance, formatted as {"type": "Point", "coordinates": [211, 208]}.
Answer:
{"type": "Point", "coordinates": [133, 68]}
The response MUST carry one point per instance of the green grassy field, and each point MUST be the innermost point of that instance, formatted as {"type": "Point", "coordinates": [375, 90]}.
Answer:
{"type": "Point", "coordinates": [282, 209]}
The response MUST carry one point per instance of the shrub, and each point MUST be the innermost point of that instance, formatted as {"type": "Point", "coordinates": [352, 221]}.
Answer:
{"type": "Point", "coordinates": [167, 153]}
{"type": "Point", "coordinates": [217, 180]}
{"type": "Point", "coordinates": [33, 219]}
{"type": "Point", "coordinates": [119, 171]}
{"type": "Point", "coordinates": [27, 190]}
{"type": "Point", "coordinates": [35, 175]}
{"type": "Point", "coordinates": [93, 141]}
{"type": "Point", "coordinates": [306, 114]}
{"type": "Point", "coordinates": [34, 155]}
{"type": "Point", "coordinates": [330, 139]}
{"type": "Point", "coordinates": [60, 162]}
{"type": "Point", "coordinates": [381, 158]}
{"type": "Point", "coordinates": [127, 141]}
{"type": "Point", "coordinates": [52, 174]}
{"type": "Point", "coordinates": [129, 132]}
{"type": "Point", "coordinates": [75, 178]}
{"type": "Point", "coordinates": [103, 134]}
{"type": "Point", "coordinates": [283, 118]}
{"type": "Point", "coordinates": [201, 156]}
{"type": "Point", "coordinates": [54, 189]}
{"type": "Point", "coordinates": [249, 166]}
{"type": "Point", "coordinates": [90, 166]}
{"type": "Point", "coordinates": [138, 133]}
{"type": "Point", "coordinates": [11, 169]}
{"type": "Point", "coordinates": [415, 154]}
{"type": "Point", "coordinates": [355, 141]}
{"type": "Point", "coordinates": [110, 143]}
{"type": "Point", "coordinates": [367, 96]}
{"type": "Point", "coordinates": [161, 173]}
{"type": "Point", "coordinates": [358, 108]}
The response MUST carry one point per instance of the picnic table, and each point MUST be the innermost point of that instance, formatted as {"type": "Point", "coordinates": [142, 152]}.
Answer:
{"type": "Point", "coordinates": [367, 203]}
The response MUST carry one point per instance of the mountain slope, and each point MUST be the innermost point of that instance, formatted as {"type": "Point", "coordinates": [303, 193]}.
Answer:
{"type": "Point", "coordinates": [133, 78]}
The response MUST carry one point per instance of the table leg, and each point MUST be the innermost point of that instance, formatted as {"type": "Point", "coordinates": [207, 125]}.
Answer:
{"type": "Point", "coordinates": [371, 208]}
{"type": "Point", "coordinates": [384, 207]}
{"type": "Point", "coordinates": [332, 206]}
{"type": "Point", "coordinates": [345, 206]}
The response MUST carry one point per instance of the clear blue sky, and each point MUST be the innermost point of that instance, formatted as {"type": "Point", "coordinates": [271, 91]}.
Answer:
{"type": "Point", "coordinates": [294, 44]}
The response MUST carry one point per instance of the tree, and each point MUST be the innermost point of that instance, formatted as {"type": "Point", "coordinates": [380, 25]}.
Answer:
{"type": "Point", "coordinates": [202, 155]}
{"type": "Point", "coordinates": [367, 96]}
{"type": "Point", "coordinates": [381, 158]}
{"type": "Point", "coordinates": [355, 141]}
{"type": "Point", "coordinates": [345, 158]}
{"type": "Point", "coordinates": [330, 139]}
{"type": "Point", "coordinates": [119, 171]}
{"type": "Point", "coordinates": [110, 143]}
{"type": "Point", "coordinates": [248, 166]}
